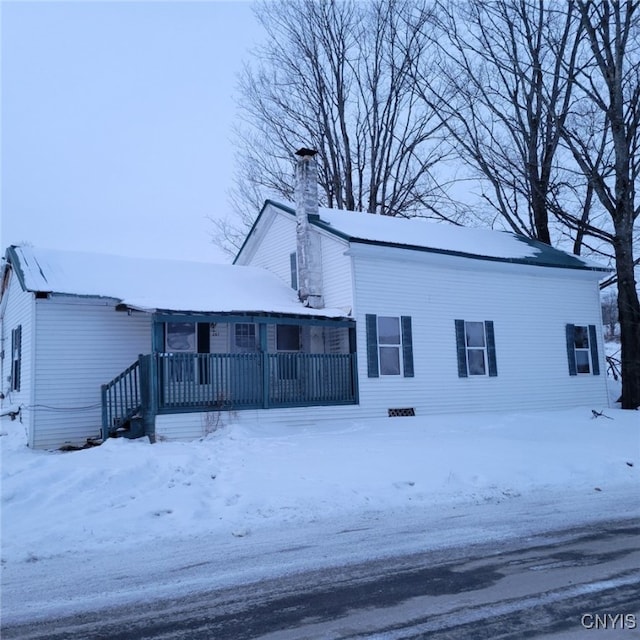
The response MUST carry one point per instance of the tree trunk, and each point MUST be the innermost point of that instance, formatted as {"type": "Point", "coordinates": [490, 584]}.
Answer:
{"type": "Point", "coordinates": [629, 317]}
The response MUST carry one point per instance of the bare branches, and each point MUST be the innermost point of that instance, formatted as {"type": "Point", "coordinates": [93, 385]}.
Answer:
{"type": "Point", "coordinates": [498, 77]}
{"type": "Point", "coordinates": [338, 77]}
{"type": "Point", "coordinates": [607, 152]}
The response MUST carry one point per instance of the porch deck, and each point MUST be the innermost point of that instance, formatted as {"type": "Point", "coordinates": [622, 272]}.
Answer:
{"type": "Point", "coordinates": [185, 382]}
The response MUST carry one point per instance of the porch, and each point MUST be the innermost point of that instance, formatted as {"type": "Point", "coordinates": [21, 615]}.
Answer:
{"type": "Point", "coordinates": [239, 363]}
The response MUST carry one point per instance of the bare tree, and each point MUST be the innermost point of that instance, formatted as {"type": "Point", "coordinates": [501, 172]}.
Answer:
{"type": "Point", "coordinates": [609, 303]}
{"type": "Point", "coordinates": [337, 76]}
{"type": "Point", "coordinates": [542, 101]}
{"type": "Point", "coordinates": [503, 100]}
{"type": "Point", "coordinates": [608, 152]}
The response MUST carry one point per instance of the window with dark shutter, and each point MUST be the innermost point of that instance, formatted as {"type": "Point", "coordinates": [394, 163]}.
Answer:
{"type": "Point", "coordinates": [389, 346]}
{"type": "Point", "coordinates": [582, 349]}
{"type": "Point", "coordinates": [476, 348]}
{"type": "Point", "coordinates": [16, 357]}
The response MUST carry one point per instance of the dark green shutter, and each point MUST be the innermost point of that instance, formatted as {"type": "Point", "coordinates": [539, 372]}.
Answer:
{"type": "Point", "coordinates": [19, 355]}
{"type": "Point", "coordinates": [571, 351]}
{"type": "Point", "coordinates": [372, 346]}
{"type": "Point", "coordinates": [16, 357]}
{"type": "Point", "coordinates": [593, 344]}
{"type": "Point", "coordinates": [407, 346]}
{"type": "Point", "coordinates": [461, 349]}
{"type": "Point", "coordinates": [293, 260]}
{"type": "Point", "coordinates": [491, 348]}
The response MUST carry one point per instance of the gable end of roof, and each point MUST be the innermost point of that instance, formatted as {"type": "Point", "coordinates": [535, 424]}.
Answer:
{"type": "Point", "coordinates": [13, 259]}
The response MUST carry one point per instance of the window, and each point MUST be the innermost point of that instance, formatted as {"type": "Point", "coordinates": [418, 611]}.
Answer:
{"type": "Point", "coordinates": [288, 337]}
{"type": "Point", "coordinates": [180, 337]}
{"type": "Point", "coordinates": [476, 347]}
{"type": "Point", "coordinates": [16, 357]}
{"type": "Point", "coordinates": [582, 349]}
{"type": "Point", "coordinates": [389, 346]}
{"type": "Point", "coordinates": [245, 337]}
{"type": "Point", "coordinates": [389, 343]}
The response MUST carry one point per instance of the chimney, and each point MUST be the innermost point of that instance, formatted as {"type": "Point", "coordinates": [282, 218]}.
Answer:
{"type": "Point", "coordinates": [308, 241]}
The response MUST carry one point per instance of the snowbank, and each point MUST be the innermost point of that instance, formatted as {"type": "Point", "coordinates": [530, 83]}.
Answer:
{"type": "Point", "coordinates": [129, 521]}
{"type": "Point", "coordinates": [239, 480]}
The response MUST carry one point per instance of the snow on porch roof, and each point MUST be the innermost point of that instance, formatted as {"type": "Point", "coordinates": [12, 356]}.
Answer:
{"type": "Point", "coordinates": [424, 235]}
{"type": "Point", "coordinates": [158, 284]}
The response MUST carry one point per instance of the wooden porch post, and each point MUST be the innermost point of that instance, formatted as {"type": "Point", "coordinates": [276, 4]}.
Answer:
{"type": "Point", "coordinates": [262, 328]}
{"type": "Point", "coordinates": [105, 412]}
{"type": "Point", "coordinates": [149, 393]}
{"type": "Point", "coordinates": [353, 351]}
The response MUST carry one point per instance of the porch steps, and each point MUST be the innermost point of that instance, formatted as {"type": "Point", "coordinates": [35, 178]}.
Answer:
{"type": "Point", "coordinates": [122, 405]}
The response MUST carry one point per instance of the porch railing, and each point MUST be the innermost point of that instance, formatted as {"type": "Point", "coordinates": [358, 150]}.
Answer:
{"type": "Point", "coordinates": [209, 380]}
{"type": "Point", "coordinates": [174, 382]}
{"type": "Point", "coordinates": [252, 380]}
{"type": "Point", "coordinates": [121, 399]}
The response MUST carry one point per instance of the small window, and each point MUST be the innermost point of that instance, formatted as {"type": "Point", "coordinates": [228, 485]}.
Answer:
{"type": "Point", "coordinates": [245, 337]}
{"type": "Point", "coordinates": [581, 349]}
{"type": "Point", "coordinates": [476, 348]}
{"type": "Point", "coordinates": [288, 337]}
{"type": "Point", "coordinates": [180, 337]}
{"type": "Point", "coordinates": [475, 343]}
{"type": "Point", "coordinates": [389, 345]}
{"type": "Point", "coordinates": [16, 357]}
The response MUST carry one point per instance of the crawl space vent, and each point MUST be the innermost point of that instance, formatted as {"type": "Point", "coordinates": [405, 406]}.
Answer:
{"type": "Point", "coordinates": [401, 413]}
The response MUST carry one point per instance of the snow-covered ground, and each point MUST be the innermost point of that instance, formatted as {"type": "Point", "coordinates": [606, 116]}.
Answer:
{"type": "Point", "coordinates": [86, 528]}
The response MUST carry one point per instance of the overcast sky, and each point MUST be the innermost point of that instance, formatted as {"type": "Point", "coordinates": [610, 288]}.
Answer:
{"type": "Point", "coordinates": [116, 123]}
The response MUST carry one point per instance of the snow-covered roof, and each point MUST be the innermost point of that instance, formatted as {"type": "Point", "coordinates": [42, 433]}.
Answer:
{"type": "Point", "coordinates": [421, 234]}
{"type": "Point", "coordinates": [158, 284]}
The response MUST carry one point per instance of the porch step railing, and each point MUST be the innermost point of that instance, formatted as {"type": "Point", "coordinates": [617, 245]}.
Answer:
{"type": "Point", "coordinates": [121, 400]}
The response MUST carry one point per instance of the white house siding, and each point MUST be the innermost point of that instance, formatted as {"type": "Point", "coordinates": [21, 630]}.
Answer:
{"type": "Point", "coordinates": [81, 345]}
{"type": "Point", "coordinates": [530, 307]}
{"type": "Point", "coordinates": [181, 426]}
{"type": "Point", "coordinates": [336, 273]}
{"type": "Point", "coordinates": [275, 241]}
{"type": "Point", "coordinates": [17, 308]}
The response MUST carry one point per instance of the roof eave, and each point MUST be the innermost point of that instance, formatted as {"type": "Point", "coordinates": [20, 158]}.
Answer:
{"type": "Point", "coordinates": [462, 254]}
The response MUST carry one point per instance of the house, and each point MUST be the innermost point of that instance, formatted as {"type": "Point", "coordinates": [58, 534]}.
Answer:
{"type": "Point", "coordinates": [352, 314]}
{"type": "Point", "coordinates": [94, 345]}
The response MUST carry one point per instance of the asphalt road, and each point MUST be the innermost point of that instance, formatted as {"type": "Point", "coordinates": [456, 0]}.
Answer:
{"type": "Point", "coordinates": [577, 583]}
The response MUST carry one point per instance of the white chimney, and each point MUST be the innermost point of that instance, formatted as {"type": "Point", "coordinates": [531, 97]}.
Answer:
{"type": "Point", "coordinates": [309, 255]}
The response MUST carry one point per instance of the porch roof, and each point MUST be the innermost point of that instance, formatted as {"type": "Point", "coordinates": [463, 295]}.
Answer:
{"type": "Point", "coordinates": [159, 284]}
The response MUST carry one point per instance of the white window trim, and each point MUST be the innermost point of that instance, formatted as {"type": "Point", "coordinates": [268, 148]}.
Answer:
{"type": "Point", "coordinates": [398, 346]}
{"type": "Point", "coordinates": [484, 349]}
{"type": "Point", "coordinates": [587, 349]}
{"type": "Point", "coordinates": [236, 348]}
